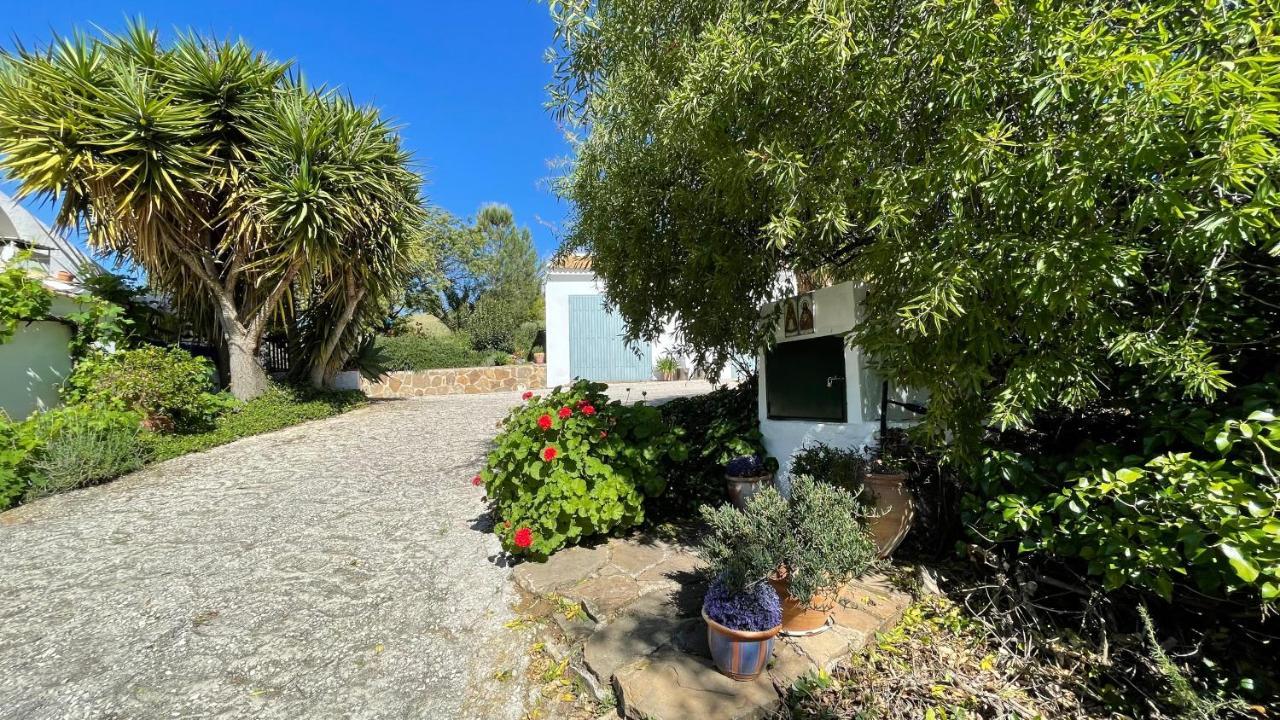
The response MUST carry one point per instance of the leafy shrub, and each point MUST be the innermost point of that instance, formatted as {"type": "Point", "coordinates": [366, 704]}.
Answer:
{"type": "Point", "coordinates": [818, 538]}
{"type": "Point", "coordinates": [717, 427]}
{"type": "Point", "coordinates": [22, 297]}
{"type": "Point", "coordinates": [1210, 517]}
{"type": "Point", "coordinates": [420, 352]}
{"type": "Point", "coordinates": [753, 608]}
{"type": "Point", "coordinates": [842, 467]}
{"type": "Point", "coordinates": [82, 445]}
{"type": "Point", "coordinates": [572, 465]}
{"type": "Point", "coordinates": [279, 407]}
{"type": "Point", "coordinates": [494, 322]}
{"type": "Point", "coordinates": [65, 448]}
{"type": "Point", "coordinates": [168, 386]}
{"type": "Point", "coordinates": [18, 443]}
{"type": "Point", "coordinates": [524, 338]}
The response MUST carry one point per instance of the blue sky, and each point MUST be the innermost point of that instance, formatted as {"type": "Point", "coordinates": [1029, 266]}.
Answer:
{"type": "Point", "coordinates": [465, 78]}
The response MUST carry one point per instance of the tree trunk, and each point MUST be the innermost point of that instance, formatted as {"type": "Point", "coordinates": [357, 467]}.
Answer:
{"type": "Point", "coordinates": [325, 368]}
{"type": "Point", "coordinates": [248, 379]}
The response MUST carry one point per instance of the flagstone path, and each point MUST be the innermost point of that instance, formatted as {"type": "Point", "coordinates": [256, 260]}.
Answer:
{"type": "Point", "coordinates": [338, 569]}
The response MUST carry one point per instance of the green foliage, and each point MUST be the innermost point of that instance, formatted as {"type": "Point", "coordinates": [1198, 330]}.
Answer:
{"type": "Point", "coordinates": [168, 386]}
{"type": "Point", "coordinates": [420, 352]}
{"type": "Point", "coordinates": [524, 337]}
{"type": "Point", "coordinates": [64, 449]}
{"type": "Point", "coordinates": [667, 367]}
{"type": "Point", "coordinates": [22, 297]}
{"type": "Point", "coordinates": [279, 407]}
{"type": "Point", "coordinates": [841, 467]}
{"type": "Point", "coordinates": [819, 537]}
{"type": "Point", "coordinates": [716, 427]}
{"type": "Point", "coordinates": [1049, 203]}
{"type": "Point", "coordinates": [583, 475]}
{"type": "Point", "coordinates": [81, 446]}
{"type": "Point", "coordinates": [18, 445]}
{"type": "Point", "coordinates": [1208, 517]}
{"type": "Point", "coordinates": [243, 193]}
{"type": "Point", "coordinates": [744, 547]}
{"type": "Point", "coordinates": [493, 324]}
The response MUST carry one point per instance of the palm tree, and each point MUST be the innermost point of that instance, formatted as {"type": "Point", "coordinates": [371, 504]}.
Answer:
{"type": "Point", "coordinates": [235, 186]}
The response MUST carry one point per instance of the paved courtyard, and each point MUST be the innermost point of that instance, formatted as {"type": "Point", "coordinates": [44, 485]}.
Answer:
{"type": "Point", "coordinates": [335, 569]}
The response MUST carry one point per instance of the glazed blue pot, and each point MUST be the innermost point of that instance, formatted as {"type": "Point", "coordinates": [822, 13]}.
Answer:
{"type": "Point", "coordinates": [740, 654]}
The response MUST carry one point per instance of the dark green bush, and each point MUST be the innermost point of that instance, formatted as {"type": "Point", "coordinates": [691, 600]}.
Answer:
{"type": "Point", "coordinates": [169, 387]}
{"type": "Point", "coordinates": [572, 465]}
{"type": "Point", "coordinates": [420, 352]}
{"type": "Point", "coordinates": [716, 427]}
{"type": "Point", "coordinates": [1205, 514]}
{"type": "Point", "coordinates": [279, 407]}
{"type": "Point", "coordinates": [494, 323]}
{"type": "Point", "coordinates": [837, 466]}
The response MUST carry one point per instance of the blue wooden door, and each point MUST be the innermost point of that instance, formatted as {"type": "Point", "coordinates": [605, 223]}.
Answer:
{"type": "Point", "coordinates": [597, 350]}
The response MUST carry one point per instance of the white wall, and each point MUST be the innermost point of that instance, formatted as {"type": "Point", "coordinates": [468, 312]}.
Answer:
{"type": "Point", "coordinates": [835, 312]}
{"type": "Point", "coordinates": [560, 285]}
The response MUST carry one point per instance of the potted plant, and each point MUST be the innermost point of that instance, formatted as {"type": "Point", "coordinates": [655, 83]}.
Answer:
{"type": "Point", "coordinates": [668, 367]}
{"type": "Point", "coordinates": [885, 482]}
{"type": "Point", "coordinates": [808, 546]}
{"type": "Point", "coordinates": [745, 475]}
{"type": "Point", "coordinates": [539, 355]}
{"type": "Point", "coordinates": [742, 611]}
{"type": "Point", "coordinates": [825, 543]}
{"type": "Point", "coordinates": [742, 624]}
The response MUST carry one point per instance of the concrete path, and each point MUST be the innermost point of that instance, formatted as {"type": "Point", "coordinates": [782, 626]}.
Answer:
{"type": "Point", "coordinates": [338, 569]}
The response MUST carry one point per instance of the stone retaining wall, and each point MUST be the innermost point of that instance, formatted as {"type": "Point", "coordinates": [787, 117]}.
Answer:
{"type": "Point", "coordinates": [457, 381]}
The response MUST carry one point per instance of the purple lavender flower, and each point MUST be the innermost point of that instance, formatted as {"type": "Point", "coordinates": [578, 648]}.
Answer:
{"type": "Point", "coordinates": [753, 608]}
{"type": "Point", "coordinates": [745, 466]}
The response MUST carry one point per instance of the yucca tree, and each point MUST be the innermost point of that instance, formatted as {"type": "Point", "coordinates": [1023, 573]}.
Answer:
{"type": "Point", "coordinates": [233, 185]}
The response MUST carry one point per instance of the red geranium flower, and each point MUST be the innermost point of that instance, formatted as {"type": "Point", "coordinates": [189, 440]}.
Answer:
{"type": "Point", "coordinates": [549, 454]}
{"type": "Point", "coordinates": [580, 403]}
{"type": "Point", "coordinates": [527, 394]}
{"type": "Point", "coordinates": [524, 537]}
{"type": "Point", "coordinates": [588, 409]}
{"type": "Point", "coordinates": [544, 422]}
{"type": "Point", "coordinates": [477, 481]}
{"type": "Point", "coordinates": [564, 413]}
{"type": "Point", "coordinates": [604, 434]}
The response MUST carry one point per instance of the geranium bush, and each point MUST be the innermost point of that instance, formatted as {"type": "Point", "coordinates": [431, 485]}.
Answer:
{"type": "Point", "coordinates": [573, 464]}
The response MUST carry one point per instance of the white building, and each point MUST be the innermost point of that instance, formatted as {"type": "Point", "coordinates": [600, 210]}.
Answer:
{"type": "Point", "coordinates": [814, 387]}
{"type": "Point", "coordinates": [35, 361]}
{"type": "Point", "coordinates": [585, 339]}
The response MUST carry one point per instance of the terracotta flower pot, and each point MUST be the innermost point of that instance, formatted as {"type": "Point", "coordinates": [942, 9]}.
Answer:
{"type": "Point", "coordinates": [64, 276]}
{"type": "Point", "coordinates": [799, 619]}
{"type": "Point", "coordinates": [539, 358]}
{"type": "Point", "coordinates": [893, 506]}
{"type": "Point", "coordinates": [741, 488]}
{"type": "Point", "coordinates": [740, 654]}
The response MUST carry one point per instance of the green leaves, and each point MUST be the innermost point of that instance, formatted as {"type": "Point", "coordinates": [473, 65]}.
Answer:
{"type": "Point", "coordinates": [1050, 204]}
{"type": "Point", "coordinates": [1211, 518]}
{"type": "Point", "coordinates": [603, 468]}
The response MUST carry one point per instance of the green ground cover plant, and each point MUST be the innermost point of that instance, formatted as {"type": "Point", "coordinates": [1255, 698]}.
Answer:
{"type": "Point", "coordinates": [573, 464]}
{"type": "Point", "coordinates": [280, 407]}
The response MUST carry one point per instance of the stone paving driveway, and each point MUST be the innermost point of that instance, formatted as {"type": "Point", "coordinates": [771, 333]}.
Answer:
{"type": "Point", "coordinates": [328, 570]}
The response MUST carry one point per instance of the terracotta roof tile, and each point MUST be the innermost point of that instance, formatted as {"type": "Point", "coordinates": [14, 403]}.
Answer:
{"type": "Point", "coordinates": [571, 262]}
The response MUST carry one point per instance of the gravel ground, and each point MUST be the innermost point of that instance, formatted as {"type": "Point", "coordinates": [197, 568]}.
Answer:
{"type": "Point", "coordinates": [334, 569]}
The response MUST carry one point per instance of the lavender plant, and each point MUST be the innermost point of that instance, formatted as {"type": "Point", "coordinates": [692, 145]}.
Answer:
{"type": "Point", "coordinates": [753, 608]}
